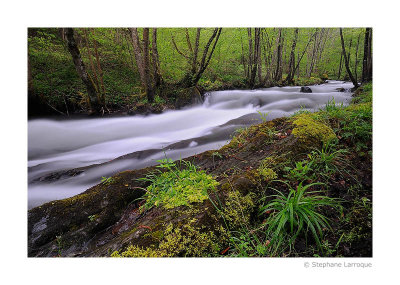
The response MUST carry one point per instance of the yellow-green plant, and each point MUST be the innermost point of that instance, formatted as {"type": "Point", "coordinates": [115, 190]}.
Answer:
{"type": "Point", "coordinates": [177, 186]}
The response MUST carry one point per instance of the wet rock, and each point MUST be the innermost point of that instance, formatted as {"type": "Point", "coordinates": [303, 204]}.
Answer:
{"type": "Point", "coordinates": [65, 227]}
{"type": "Point", "coordinates": [187, 97]}
{"type": "Point", "coordinates": [305, 89]}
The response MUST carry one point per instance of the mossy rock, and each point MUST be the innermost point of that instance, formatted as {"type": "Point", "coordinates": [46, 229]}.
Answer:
{"type": "Point", "coordinates": [310, 132]}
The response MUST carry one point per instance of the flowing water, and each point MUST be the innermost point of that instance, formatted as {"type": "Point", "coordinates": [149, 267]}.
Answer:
{"type": "Point", "coordinates": [106, 146]}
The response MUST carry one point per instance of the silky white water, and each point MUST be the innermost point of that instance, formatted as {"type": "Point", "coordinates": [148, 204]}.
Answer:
{"type": "Point", "coordinates": [56, 146]}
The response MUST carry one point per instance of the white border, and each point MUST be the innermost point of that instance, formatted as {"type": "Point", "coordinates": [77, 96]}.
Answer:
{"type": "Point", "coordinates": [18, 15]}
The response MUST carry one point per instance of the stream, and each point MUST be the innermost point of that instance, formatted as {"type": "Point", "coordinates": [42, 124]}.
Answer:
{"type": "Point", "coordinates": [105, 146]}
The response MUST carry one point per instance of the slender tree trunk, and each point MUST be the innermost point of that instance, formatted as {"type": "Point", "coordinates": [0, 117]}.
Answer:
{"type": "Point", "coordinates": [207, 56]}
{"type": "Point", "coordinates": [356, 57]}
{"type": "Point", "coordinates": [290, 76]}
{"type": "Point", "coordinates": [259, 62]}
{"type": "Point", "coordinates": [267, 55]}
{"type": "Point", "coordinates": [94, 104]}
{"type": "Point", "coordinates": [254, 56]}
{"type": "Point", "coordinates": [94, 79]}
{"type": "Point", "coordinates": [196, 50]}
{"type": "Point", "coordinates": [158, 80]}
{"type": "Point", "coordinates": [340, 65]}
{"type": "Point", "coordinates": [346, 61]}
{"type": "Point", "coordinates": [146, 58]}
{"type": "Point", "coordinates": [369, 66]}
{"type": "Point", "coordinates": [302, 55]}
{"type": "Point", "coordinates": [244, 62]}
{"type": "Point", "coordinates": [367, 58]}
{"type": "Point", "coordinates": [278, 70]}
{"type": "Point", "coordinates": [313, 54]}
{"type": "Point", "coordinates": [141, 51]}
{"type": "Point", "coordinates": [102, 89]}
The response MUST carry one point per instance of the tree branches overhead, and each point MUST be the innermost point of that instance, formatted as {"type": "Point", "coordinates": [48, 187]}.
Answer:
{"type": "Point", "coordinates": [197, 67]}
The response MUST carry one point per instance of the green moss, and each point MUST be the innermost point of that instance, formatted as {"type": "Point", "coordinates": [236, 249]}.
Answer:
{"type": "Point", "coordinates": [267, 173]}
{"type": "Point", "coordinates": [311, 132]}
{"type": "Point", "coordinates": [238, 208]}
{"type": "Point", "coordinates": [189, 240]}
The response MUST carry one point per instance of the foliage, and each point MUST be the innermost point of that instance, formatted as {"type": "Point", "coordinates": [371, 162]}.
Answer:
{"type": "Point", "coordinates": [175, 187]}
{"type": "Point", "coordinates": [363, 94]}
{"type": "Point", "coordinates": [56, 80]}
{"type": "Point", "coordinates": [247, 244]}
{"type": "Point", "coordinates": [320, 164]}
{"type": "Point", "coordinates": [326, 160]}
{"type": "Point", "coordinates": [296, 213]}
{"type": "Point", "coordinates": [303, 170]}
{"type": "Point", "coordinates": [358, 126]}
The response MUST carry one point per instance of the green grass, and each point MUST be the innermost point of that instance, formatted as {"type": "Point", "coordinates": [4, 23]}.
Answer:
{"type": "Point", "coordinates": [296, 213]}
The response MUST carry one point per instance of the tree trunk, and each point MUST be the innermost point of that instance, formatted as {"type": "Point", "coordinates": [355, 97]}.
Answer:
{"type": "Point", "coordinates": [254, 55]}
{"type": "Point", "coordinates": [94, 104]}
{"type": "Point", "coordinates": [302, 55]}
{"type": "Point", "coordinates": [367, 59]}
{"type": "Point", "coordinates": [291, 72]}
{"type": "Point", "coordinates": [278, 70]}
{"type": "Point", "coordinates": [146, 59]}
{"type": "Point", "coordinates": [207, 56]}
{"type": "Point", "coordinates": [340, 65]}
{"type": "Point", "coordinates": [158, 80]}
{"type": "Point", "coordinates": [196, 70]}
{"type": "Point", "coordinates": [346, 61]}
{"type": "Point", "coordinates": [356, 57]}
{"type": "Point", "coordinates": [141, 52]}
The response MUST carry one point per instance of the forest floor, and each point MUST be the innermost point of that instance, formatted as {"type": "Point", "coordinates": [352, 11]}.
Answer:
{"type": "Point", "coordinates": [226, 206]}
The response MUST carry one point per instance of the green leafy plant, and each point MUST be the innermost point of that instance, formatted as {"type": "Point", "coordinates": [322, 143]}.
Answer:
{"type": "Point", "coordinates": [247, 243]}
{"type": "Point", "coordinates": [263, 116]}
{"type": "Point", "coordinates": [296, 213]}
{"type": "Point", "coordinates": [325, 160]}
{"type": "Point", "coordinates": [177, 185]}
{"type": "Point", "coordinates": [303, 170]}
{"type": "Point", "coordinates": [107, 180]}
{"type": "Point", "coordinates": [59, 244]}
{"type": "Point", "coordinates": [92, 217]}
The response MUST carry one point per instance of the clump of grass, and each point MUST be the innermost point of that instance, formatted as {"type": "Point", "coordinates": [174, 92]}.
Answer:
{"type": "Point", "coordinates": [177, 186]}
{"type": "Point", "coordinates": [320, 163]}
{"type": "Point", "coordinates": [326, 160]}
{"type": "Point", "coordinates": [296, 213]}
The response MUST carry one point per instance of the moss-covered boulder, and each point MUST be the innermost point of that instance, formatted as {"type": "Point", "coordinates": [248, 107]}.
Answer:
{"type": "Point", "coordinates": [311, 132]}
